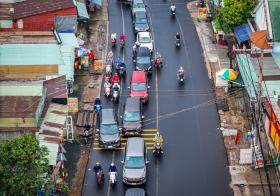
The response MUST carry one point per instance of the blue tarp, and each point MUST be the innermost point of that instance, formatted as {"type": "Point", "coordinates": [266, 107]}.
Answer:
{"type": "Point", "coordinates": [65, 24]}
{"type": "Point", "coordinates": [242, 33]}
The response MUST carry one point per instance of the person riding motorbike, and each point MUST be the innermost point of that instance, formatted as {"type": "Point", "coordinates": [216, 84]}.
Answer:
{"type": "Point", "coordinates": [107, 84]}
{"type": "Point", "coordinates": [116, 86]}
{"type": "Point", "coordinates": [180, 72]}
{"type": "Point", "coordinates": [134, 48]}
{"type": "Point", "coordinates": [122, 39]}
{"type": "Point", "coordinates": [115, 78]}
{"type": "Point", "coordinates": [112, 168]}
{"type": "Point", "coordinates": [177, 36]}
{"type": "Point", "coordinates": [114, 38]}
{"type": "Point", "coordinates": [122, 67]}
{"type": "Point", "coordinates": [158, 139]}
{"type": "Point", "coordinates": [172, 8]}
{"type": "Point", "coordinates": [117, 63]}
{"type": "Point", "coordinates": [97, 102]}
{"type": "Point", "coordinates": [97, 168]}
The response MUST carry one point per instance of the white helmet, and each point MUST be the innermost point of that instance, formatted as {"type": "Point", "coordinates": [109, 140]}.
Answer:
{"type": "Point", "coordinates": [158, 134]}
{"type": "Point", "coordinates": [112, 164]}
{"type": "Point", "coordinates": [181, 68]}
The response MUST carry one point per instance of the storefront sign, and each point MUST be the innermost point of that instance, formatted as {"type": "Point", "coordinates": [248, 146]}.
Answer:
{"type": "Point", "coordinates": [98, 65]}
{"type": "Point", "coordinates": [73, 105]}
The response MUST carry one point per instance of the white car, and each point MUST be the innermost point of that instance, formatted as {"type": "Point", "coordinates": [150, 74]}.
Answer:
{"type": "Point", "coordinates": [144, 39]}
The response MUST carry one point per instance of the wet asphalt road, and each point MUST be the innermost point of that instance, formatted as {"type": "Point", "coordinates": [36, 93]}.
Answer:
{"type": "Point", "coordinates": [194, 160]}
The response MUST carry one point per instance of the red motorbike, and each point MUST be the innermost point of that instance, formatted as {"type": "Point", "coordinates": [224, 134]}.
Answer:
{"type": "Point", "coordinates": [122, 43]}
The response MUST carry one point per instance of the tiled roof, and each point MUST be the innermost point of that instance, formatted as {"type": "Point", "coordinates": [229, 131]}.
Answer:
{"type": "Point", "coordinates": [34, 7]}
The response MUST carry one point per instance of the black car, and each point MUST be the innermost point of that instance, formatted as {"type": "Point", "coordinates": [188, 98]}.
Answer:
{"type": "Point", "coordinates": [132, 116]}
{"type": "Point", "coordinates": [143, 60]}
{"type": "Point", "coordinates": [109, 135]}
{"type": "Point", "coordinates": [140, 22]}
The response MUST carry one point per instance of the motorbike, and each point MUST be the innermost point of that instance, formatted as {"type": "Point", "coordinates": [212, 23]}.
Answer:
{"type": "Point", "coordinates": [97, 108]}
{"type": "Point", "coordinates": [122, 71]}
{"type": "Point", "coordinates": [108, 69]}
{"type": "Point", "coordinates": [99, 177]}
{"type": "Point", "coordinates": [178, 43]}
{"type": "Point", "coordinates": [158, 62]}
{"type": "Point", "coordinates": [157, 149]}
{"type": "Point", "coordinates": [114, 42]}
{"type": "Point", "coordinates": [181, 78]}
{"type": "Point", "coordinates": [173, 13]}
{"type": "Point", "coordinates": [115, 95]}
{"type": "Point", "coordinates": [122, 43]}
{"type": "Point", "coordinates": [113, 178]}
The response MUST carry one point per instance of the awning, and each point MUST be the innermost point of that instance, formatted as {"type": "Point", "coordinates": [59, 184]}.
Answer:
{"type": "Point", "coordinates": [82, 10]}
{"type": "Point", "coordinates": [95, 3]}
{"type": "Point", "coordinates": [69, 39]}
{"type": "Point", "coordinates": [242, 33]}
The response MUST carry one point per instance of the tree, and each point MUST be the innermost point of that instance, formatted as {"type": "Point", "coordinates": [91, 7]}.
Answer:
{"type": "Point", "coordinates": [22, 163]}
{"type": "Point", "coordinates": [234, 13]}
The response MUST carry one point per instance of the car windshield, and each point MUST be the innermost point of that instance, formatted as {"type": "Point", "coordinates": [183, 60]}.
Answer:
{"type": "Point", "coordinates": [143, 60]}
{"type": "Point", "coordinates": [144, 39]}
{"type": "Point", "coordinates": [141, 20]}
{"type": "Point", "coordinates": [131, 116]}
{"type": "Point", "coordinates": [139, 86]}
{"type": "Point", "coordinates": [134, 162]}
{"type": "Point", "coordinates": [138, 5]}
{"type": "Point", "coordinates": [109, 129]}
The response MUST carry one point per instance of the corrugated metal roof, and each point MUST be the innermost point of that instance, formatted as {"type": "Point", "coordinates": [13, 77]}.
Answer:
{"type": "Point", "coordinates": [16, 88]}
{"type": "Point", "coordinates": [69, 39]}
{"type": "Point", "coordinates": [274, 7]}
{"type": "Point", "coordinates": [34, 7]}
{"type": "Point", "coordinates": [82, 10]}
{"type": "Point", "coordinates": [52, 149]}
{"type": "Point", "coordinates": [270, 67]}
{"type": "Point", "coordinates": [271, 88]}
{"type": "Point", "coordinates": [55, 118]}
{"type": "Point", "coordinates": [275, 106]}
{"type": "Point", "coordinates": [39, 54]}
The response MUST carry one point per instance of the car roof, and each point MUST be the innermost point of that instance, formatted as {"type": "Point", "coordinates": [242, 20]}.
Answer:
{"type": "Point", "coordinates": [108, 116]}
{"type": "Point", "coordinates": [132, 104]}
{"type": "Point", "coordinates": [144, 34]}
{"type": "Point", "coordinates": [138, 1]}
{"type": "Point", "coordinates": [141, 14]}
{"type": "Point", "coordinates": [135, 192]}
{"type": "Point", "coordinates": [143, 51]}
{"type": "Point", "coordinates": [135, 146]}
{"type": "Point", "coordinates": [138, 76]}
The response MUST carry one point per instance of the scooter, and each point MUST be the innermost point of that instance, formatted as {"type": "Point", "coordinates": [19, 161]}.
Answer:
{"type": "Point", "coordinates": [158, 62]}
{"type": "Point", "coordinates": [114, 42]}
{"type": "Point", "coordinates": [99, 177]}
{"type": "Point", "coordinates": [122, 72]}
{"type": "Point", "coordinates": [157, 149]}
{"type": "Point", "coordinates": [172, 13]}
{"type": "Point", "coordinates": [108, 69]}
{"type": "Point", "coordinates": [113, 178]}
{"type": "Point", "coordinates": [115, 95]}
{"type": "Point", "coordinates": [122, 43]}
{"type": "Point", "coordinates": [181, 78]}
{"type": "Point", "coordinates": [178, 43]}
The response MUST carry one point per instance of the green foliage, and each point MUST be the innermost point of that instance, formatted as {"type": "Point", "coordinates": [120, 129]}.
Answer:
{"type": "Point", "coordinates": [22, 162]}
{"type": "Point", "coordinates": [234, 13]}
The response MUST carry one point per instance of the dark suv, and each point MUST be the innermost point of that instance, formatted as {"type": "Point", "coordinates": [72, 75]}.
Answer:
{"type": "Point", "coordinates": [143, 60]}
{"type": "Point", "coordinates": [132, 116]}
{"type": "Point", "coordinates": [109, 135]}
{"type": "Point", "coordinates": [140, 22]}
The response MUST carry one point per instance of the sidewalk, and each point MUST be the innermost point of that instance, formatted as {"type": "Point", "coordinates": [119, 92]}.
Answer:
{"type": "Point", "coordinates": [233, 116]}
{"type": "Point", "coordinates": [87, 88]}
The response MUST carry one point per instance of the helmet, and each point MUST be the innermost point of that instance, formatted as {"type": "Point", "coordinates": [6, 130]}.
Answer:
{"type": "Point", "coordinates": [177, 33]}
{"type": "Point", "coordinates": [181, 68]}
{"type": "Point", "coordinates": [158, 134]}
{"type": "Point", "coordinates": [112, 164]}
{"type": "Point", "coordinates": [97, 163]}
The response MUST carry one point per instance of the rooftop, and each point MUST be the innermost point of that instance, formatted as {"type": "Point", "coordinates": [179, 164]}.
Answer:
{"type": "Point", "coordinates": [274, 7]}
{"type": "Point", "coordinates": [19, 88]}
{"type": "Point", "coordinates": [33, 7]}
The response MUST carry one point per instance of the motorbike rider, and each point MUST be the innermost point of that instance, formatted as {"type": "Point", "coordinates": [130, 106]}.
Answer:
{"type": "Point", "coordinates": [97, 101]}
{"type": "Point", "coordinates": [116, 86]}
{"type": "Point", "coordinates": [107, 84]}
{"type": "Point", "coordinates": [172, 8]}
{"type": "Point", "coordinates": [158, 139]}
{"type": "Point", "coordinates": [121, 66]}
{"type": "Point", "coordinates": [97, 168]}
{"type": "Point", "coordinates": [177, 36]}
{"type": "Point", "coordinates": [115, 78]}
{"type": "Point", "coordinates": [114, 37]}
{"type": "Point", "coordinates": [122, 38]}
{"type": "Point", "coordinates": [134, 48]}
{"type": "Point", "coordinates": [180, 72]}
{"type": "Point", "coordinates": [158, 56]}
{"type": "Point", "coordinates": [118, 62]}
{"type": "Point", "coordinates": [112, 168]}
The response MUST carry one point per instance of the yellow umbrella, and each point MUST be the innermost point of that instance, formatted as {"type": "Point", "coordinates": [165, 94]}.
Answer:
{"type": "Point", "coordinates": [228, 74]}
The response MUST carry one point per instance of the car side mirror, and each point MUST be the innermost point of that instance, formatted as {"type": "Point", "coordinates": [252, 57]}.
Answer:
{"type": "Point", "coordinates": [142, 117]}
{"type": "Point", "coordinates": [122, 162]}
{"type": "Point", "coordinates": [147, 162]}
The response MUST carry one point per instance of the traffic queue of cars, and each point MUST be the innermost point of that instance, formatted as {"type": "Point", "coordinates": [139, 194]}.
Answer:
{"type": "Point", "coordinates": [131, 121]}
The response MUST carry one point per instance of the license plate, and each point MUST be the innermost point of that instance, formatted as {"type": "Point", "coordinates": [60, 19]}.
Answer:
{"type": "Point", "coordinates": [110, 146]}
{"type": "Point", "coordinates": [133, 183]}
{"type": "Point", "coordinates": [131, 133]}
